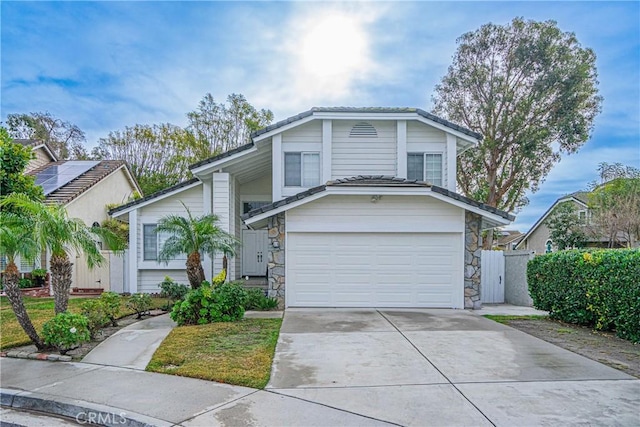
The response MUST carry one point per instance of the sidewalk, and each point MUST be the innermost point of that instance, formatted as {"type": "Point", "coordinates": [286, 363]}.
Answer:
{"type": "Point", "coordinates": [100, 392]}
{"type": "Point", "coordinates": [132, 346]}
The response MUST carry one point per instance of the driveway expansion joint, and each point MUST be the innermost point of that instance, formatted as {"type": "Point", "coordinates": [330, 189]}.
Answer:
{"type": "Point", "coordinates": [334, 408]}
{"type": "Point", "coordinates": [436, 368]}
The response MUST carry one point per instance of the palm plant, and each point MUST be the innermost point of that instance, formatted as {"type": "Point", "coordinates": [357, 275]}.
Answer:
{"type": "Point", "coordinates": [194, 236]}
{"type": "Point", "coordinates": [15, 240]}
{"type": "Point", "coordinates": [53, 230]}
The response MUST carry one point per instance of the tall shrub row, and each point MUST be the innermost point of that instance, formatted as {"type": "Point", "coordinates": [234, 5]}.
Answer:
{"type": "Point", "coordinates": [596, 288]}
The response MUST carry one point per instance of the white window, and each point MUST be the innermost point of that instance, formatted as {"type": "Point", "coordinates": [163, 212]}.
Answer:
{"type": "Point", "coordinates": [249, 206]}
{"type": "Point", "coordinates": [301, 169]}
{"type": "Point", "coordinates": [153, 242]}
{"type": "Point", "coordinates": [584, 217]}
{"type": "Point", "coordinates": [425, 167]}
{"type": "Point", "coordinates": [150, 242]}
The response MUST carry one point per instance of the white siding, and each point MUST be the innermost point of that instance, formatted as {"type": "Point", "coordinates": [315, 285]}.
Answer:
{"type": "Point", "coordinates": [353, 156]}
{"type": "Point", "coordinates": [422, 138]}
{"type": "Point", "coordinates": [91, 206]}
{"type": "Point", "coordinates": [306, 137]}
{"type": "Point", "coordinates": [41, 159]}
{"type": "Point", "coordinates": [150, 214]}
{"type": "Point", "coordinates": [359, 214]}
{"type": "Point", "coordinates": [150, 279]}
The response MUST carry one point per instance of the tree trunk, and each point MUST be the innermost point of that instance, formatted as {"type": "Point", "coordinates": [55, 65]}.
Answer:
{"type": "Point", "coordinates": [61, 276]}
{"type": "Point", "coordinates": [11, 288]}
{"type": "Point", "coordinates": [195, 272]}
{"type": "Point", "coordinates": [487, 242]}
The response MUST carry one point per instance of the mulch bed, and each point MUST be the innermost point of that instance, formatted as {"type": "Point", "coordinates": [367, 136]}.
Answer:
{"type": "Point", "coordinates": [603, 347]}
{"type": "Point", "coordinates": [106, 332]}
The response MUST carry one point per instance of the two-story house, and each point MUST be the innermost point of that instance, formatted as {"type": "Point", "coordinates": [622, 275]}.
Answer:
{"type": "Point", "coordinates": [336, 207]}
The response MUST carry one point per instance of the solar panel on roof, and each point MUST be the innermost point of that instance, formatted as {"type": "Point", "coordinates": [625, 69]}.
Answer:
{"type": "Point", "coordinates": [56, 176]}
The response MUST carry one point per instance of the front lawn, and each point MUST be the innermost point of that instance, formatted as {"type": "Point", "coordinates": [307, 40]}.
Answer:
{"type": "Point", "coordinates": [40, 310]}
{"type": "Point", "coordinates": [237, 353]}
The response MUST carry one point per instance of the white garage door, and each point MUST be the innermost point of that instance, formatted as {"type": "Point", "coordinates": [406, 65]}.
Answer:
{"type": "Point", "coordinates": [374, 270]}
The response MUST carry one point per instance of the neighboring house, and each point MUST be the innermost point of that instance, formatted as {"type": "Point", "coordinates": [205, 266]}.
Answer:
{"type": "Point", "coordinates": [85, 188]}
{"type": "Point", "coordinates": [43, 153]}
{"type": "Point", "coordinates": [336, 207]}
{"type": "Point", "coordinates": [538, 238]}
{"type": "Point", "coordinates": [507, 239]}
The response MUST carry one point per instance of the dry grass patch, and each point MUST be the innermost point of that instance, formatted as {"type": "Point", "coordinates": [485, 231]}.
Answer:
{"type": "Point", "coordinates": [41, 310]}
{"type": "Point", "coordinates": [237, 353]}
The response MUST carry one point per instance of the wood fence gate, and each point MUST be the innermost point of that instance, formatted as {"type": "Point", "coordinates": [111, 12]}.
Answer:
{"type": "Point", "coordinates": [95, 278]}
{"type": "Point", "coordinates": [492, 277]}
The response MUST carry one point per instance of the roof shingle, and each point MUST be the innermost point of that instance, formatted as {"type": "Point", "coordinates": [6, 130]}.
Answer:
{"type": "Point", "coordinates": [81, 184]}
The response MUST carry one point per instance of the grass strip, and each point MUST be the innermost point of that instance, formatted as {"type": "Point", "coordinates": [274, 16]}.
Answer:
{"type": "Point", "coordinates": [239, 353]}
{"type": "Point", "coordinates": [505, 319]}
{"type": "Point", "coordinates": [41, 310]}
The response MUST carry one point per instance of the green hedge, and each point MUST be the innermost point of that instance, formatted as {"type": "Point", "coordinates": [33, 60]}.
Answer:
{"type": "Point", "coordinates": [598, 288]}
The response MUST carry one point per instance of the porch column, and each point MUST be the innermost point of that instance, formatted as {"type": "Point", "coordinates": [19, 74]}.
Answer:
{"type": "Point", "coordinates": [450, 159]}
{"type": "Point", "coordinates": [326, 150]}
{"type": "Point", "coordinates": [276, 162]}
{"type": "Point", "coordinates": [207, 208]}
{"type": "Point", "coordinates": [221, 207]}
{"type": "Point", "coordinates": [132, 282]}
{"type": "Point", "coordinates": [401, 150]}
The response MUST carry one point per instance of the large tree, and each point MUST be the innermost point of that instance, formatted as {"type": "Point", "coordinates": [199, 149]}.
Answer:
{"type": "Point", "coordinates": [219, 127]}
{"type": "Point", "coordinates": [14, 159]}
{"type": "Point", "coordinates": [66, 139]}
{"type": "Point", "coordinates": [531, 91]}
{"type": "Point", "coordinates": [194, 236]}
{"type": "Point", "coordinates": [615, 205]}
{"type": "Point", "coordinates": [159, 155]}
{"type": "Point", "coordinates": [53, 230]}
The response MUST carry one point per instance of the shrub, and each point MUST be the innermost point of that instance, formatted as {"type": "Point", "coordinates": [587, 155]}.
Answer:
{"type": "Point", "coordinates": [257, 300]}
{"type": "Point", "coordinates": [173, 291]}
{"type": "Point", "coordinates": [94, 311]}
{"type": "Point", "coordinates": [598, 288]}
{"type": "Point", "coordinates": [111, 305]}
{"type": "Point", "coordinates": [24, 283]}
{"type": "Point", "coordinates": [140, 303]}
{"type": "Point", "coordinates": [207, 304]}
{"type": "Point", "coordinates": [66, 331]}
{"type": "Point", "coordinates": [219, 278]}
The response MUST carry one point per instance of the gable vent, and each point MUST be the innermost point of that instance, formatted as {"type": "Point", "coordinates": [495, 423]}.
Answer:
{"type": "Point", "coordinates": [363, 129]}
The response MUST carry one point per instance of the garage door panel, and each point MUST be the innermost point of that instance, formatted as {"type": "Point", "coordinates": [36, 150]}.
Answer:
{"type": "Point", "coordinates": [373, 269]}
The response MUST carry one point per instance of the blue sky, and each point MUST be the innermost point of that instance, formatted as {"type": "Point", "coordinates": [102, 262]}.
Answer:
{"type": "Point", "coordinates": [106, 65]}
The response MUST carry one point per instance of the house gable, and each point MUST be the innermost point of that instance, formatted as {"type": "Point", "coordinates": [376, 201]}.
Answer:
{"type": "Point", "coordinates": [325, 144]}
{"type": "Point", "coordinates": [537, 237]}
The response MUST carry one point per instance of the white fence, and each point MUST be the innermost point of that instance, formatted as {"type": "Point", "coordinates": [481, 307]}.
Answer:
{"type": "Point", "coordinates": [110, 276]}
{"type": "Point", "coordinates": [492, 277]}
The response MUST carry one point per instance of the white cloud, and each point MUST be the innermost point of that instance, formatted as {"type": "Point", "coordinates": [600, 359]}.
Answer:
{"type": "Point", "coordinates": [320, 56]}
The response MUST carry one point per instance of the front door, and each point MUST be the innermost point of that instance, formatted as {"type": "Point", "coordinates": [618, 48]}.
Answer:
{"type": "Point", "coordinates": [255, 245]}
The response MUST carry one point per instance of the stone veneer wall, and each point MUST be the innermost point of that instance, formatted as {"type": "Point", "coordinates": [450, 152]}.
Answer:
{"type": "Point", "coordinates": [472, 254]}
{"type": "Point", "coordinates": [276, 261]}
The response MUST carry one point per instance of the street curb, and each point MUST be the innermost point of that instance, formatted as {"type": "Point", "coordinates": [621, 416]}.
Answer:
{"type": "Point", "coordinates": [81, 411]}
{"type": "Point", "coordinates": [15, 354]}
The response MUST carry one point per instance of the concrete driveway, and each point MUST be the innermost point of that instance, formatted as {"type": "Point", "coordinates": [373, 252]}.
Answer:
{"type": "Point", "coordinates": [443, 367]}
